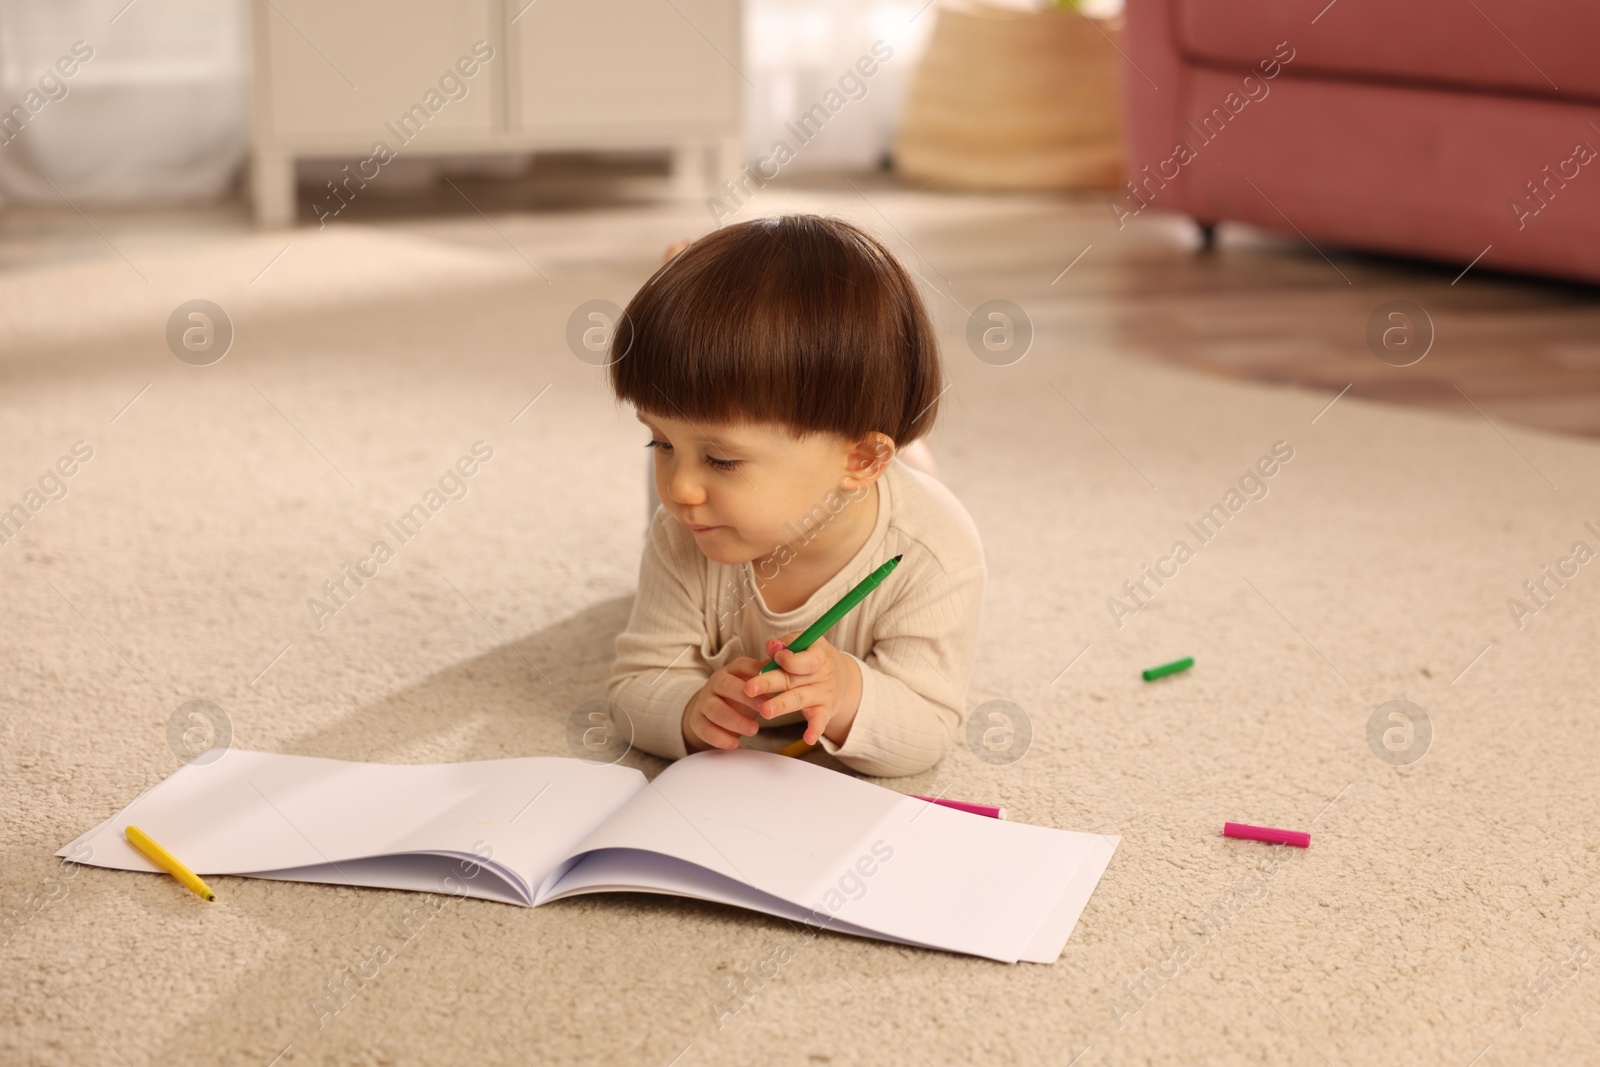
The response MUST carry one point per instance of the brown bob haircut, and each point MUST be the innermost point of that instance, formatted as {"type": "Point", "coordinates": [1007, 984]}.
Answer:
{"type": "Point", "coordinates": [799, 320]}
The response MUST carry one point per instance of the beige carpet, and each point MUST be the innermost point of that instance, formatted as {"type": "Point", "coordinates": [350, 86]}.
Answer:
{"type": "Point", "coordinates": [1446, 909]}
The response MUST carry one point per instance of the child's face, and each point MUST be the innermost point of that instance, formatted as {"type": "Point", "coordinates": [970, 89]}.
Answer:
{"type": "Point", "coordinates": [745, 489]}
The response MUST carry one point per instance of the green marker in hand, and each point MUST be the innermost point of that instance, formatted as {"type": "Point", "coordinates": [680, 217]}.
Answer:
{"type": "Point", "coordinates": [837, 612]}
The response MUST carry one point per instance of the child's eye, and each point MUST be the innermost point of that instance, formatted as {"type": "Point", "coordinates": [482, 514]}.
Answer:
{"type": "Point", "coordinates": [715, 462]}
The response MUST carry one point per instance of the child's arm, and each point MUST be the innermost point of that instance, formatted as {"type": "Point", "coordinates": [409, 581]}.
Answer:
{"type": "Point", "coordinates": [893, 711]}
{"type": "Point", "coordinates": [660, 665]}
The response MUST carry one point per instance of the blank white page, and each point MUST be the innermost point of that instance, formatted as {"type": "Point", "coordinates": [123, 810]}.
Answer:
{"type": "Point", "coordinates": [623, 870]}
{"type": "Point", "coordinates": [416, 871]}
{"type": "Point", "coordinates": [256, 812]}
{"type": "Point", "coordinates": [1051, 936]}
{"type": "Point", "coordinates": [775, 823]}
{"type": "Point", "coordinates": [843, 848]}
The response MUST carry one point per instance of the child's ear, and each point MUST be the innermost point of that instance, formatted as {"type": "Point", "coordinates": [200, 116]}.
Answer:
{"type": "Point", "coordinates": [868, 458]}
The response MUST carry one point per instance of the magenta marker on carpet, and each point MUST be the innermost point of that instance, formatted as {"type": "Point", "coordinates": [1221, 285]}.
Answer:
{"type": "Point", "coordinates": [961, 805]}
{"type": "Point", "coordinates": [1297, 838]}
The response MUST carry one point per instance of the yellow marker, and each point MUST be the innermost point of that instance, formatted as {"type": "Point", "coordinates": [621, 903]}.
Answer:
{"type": "Point", "coordinates": [167, 862]}
{"type": "Point", "coordinates": [798, 749]}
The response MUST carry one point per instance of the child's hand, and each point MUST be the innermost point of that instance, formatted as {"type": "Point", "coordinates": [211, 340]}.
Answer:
{"type": "Point", "coordinates": [821, 682]}
{"type": "Point", "coordinates": [719, 714]}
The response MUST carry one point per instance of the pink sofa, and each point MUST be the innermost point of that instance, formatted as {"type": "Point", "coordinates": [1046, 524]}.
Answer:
{"type": "Point", "coordinates": [1430, 128]}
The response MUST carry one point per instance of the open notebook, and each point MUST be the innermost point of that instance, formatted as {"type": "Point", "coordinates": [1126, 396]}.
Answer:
{"type": "Point", "coordinates": [752, 829]}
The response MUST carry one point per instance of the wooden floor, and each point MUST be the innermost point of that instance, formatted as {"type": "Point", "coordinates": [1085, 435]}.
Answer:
{"type": "Point", "coordinates": [1275, 308]}
{"type": "Point", "coordinates": [1259, 306]}
{"type": "Point", "coordinates": [1519, 349]}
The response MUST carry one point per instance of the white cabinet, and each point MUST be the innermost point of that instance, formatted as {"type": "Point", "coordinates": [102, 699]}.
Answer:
{"type": "Point", "coordinates": [595, 62]}
{"type": "Point", "coordinates": [339, 78]}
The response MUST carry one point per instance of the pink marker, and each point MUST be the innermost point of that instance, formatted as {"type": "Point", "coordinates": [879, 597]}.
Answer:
{"type": "Point", "coordinates": [1298, 838]}
{"type": "Point", "coordinates": [961, 805]}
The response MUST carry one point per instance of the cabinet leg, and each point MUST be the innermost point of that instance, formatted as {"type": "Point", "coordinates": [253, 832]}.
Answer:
{"type": "Point", "coordinates": [272, 188]}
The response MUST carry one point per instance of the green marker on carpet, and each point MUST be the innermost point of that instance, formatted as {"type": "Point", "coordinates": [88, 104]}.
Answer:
{"type": "Point", "coordinates": [837, 612]}
{"type": "Point", "coordinates": [1168, 668]}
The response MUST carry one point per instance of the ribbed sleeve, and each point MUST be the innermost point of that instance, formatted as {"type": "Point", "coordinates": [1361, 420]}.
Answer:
{"type": "Point", "coordinates": [915, 637]}
{"type": "Point", "coordinates": [660, 661]}
{"type": "Point", "coordinates": [914, 678]}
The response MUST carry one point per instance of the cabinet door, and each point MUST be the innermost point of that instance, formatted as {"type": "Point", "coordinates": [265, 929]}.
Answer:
{"type": "Point", "coordinates": [625, 62]}
{"type": "Point", "coordinates": [350, 67]}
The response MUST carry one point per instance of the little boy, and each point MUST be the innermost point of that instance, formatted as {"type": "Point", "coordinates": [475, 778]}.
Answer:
{"type": "Point", "coordinates": [778, 365]}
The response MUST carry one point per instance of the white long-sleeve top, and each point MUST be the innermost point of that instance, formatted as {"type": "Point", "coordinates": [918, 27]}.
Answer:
{"type": "Point", "coordinates": [914, 637]}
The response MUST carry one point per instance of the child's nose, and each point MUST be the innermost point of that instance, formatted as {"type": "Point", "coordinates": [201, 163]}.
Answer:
{"type": "Point", "coordinates": [684, 489]}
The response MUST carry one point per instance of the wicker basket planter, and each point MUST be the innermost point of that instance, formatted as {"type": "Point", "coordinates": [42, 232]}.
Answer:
{"type": "Point", "coordinates": [1012, 99]}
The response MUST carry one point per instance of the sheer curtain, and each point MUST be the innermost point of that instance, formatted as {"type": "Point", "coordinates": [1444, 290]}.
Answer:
{"type": "Point", "coordinates": [797, 50]}
{"type": "Point", "coordinates": [107, 101]}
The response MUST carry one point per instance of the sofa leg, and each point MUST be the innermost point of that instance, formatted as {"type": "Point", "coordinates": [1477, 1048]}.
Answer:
{"type": "Point", "coordinates": [1208, 235]}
